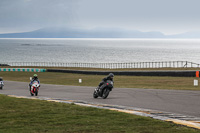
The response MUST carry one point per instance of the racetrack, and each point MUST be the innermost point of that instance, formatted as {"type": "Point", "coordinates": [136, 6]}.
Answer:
{"type": "Point", "coordinates": [174, 101]}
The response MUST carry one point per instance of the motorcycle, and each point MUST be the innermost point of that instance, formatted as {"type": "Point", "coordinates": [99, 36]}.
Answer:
{"type": "Point", "coordinates": [104, 90]}
{"type": "Point", "coordinates": [34, 88]}
{"type": "Point", "coordinates": [1, 83]}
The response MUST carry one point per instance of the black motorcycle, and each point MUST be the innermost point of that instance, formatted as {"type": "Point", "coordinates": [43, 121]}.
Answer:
{"type": "Point", "coordinates": [104, 90]}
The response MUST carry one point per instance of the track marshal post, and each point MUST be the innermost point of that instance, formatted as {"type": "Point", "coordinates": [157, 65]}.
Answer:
{"type": "Point", "coordinates": [196, 80]}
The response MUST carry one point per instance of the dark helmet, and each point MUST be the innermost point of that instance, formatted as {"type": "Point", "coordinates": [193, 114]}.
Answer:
{"type": "Point", "coordinates": [111, 75]}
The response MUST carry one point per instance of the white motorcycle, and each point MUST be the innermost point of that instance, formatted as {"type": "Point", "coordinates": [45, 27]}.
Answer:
{"type": "Point", "coordinates": [34, 88]}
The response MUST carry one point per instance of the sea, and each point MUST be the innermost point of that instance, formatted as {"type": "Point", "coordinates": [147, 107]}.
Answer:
{"type": "Point", "coordinates": [77, 50]}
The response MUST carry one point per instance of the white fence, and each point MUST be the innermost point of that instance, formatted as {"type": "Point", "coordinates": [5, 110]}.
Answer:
{"type": "Point", "coordinates": [164, 64]}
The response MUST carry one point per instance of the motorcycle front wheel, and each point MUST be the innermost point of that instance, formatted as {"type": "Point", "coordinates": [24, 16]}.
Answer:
{"type": "Point", "coordinates": [31, 93]}
{"type": "Point", "coordinates": [95, 95]}
{"type": "Point", "coordinates": [105, 93]}
{"type": "Point", "coordinates": [36, 92]}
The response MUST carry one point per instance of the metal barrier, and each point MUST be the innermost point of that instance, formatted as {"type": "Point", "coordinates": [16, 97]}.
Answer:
{"type": "Point", "coordinates": [130, 73]}
{"type": "Point", "coordinates": [163, 64]}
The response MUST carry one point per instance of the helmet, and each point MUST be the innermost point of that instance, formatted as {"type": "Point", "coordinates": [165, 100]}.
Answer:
{"type": "Point", "coordinates": [35, 75]}
{"type": "Point", "coordinates": [111, 75]}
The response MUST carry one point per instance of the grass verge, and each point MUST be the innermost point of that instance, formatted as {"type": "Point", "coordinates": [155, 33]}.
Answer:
{"type": "Point", "coordinates": [26, 115]}
{"type": "Point", "coordinates": [177, 83]}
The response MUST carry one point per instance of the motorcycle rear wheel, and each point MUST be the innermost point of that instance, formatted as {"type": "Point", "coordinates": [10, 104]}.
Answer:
{"type": "Point", "coordinates": [105, 93]}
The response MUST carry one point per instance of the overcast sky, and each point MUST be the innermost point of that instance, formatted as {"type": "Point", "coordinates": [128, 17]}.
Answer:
{"type": "Point", "coordinates": [166, 16]}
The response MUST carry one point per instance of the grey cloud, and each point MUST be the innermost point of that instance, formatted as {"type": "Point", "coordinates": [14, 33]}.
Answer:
{"type": "Point", "coordinates": [150, 14]}
{"type": "Point", "coordinates": [35, 13]}
{"type": "Point", "coordinates": [160, 15]}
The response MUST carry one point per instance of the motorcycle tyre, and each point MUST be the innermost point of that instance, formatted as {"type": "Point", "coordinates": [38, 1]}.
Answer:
{"type": "Point", "coordinates": [105, 93]}
{"type": "Point", "coordinates": [1, 87]}
{"type": "Point", "coordinates": [31, 93]}
{"type": "Point", "coordinates": [36, 92]}
{"type": "Point", "coordinates": [95, 94]}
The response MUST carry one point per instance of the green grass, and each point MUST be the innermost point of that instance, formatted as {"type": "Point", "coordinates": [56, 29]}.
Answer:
{"type": "Point", "coordinates": [38, 116]}
{"type": "Point", "coordinates": [177, 83]}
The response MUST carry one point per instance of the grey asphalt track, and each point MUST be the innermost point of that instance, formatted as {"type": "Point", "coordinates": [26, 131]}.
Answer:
{"type": "Point", "coordinates": [174, 101]}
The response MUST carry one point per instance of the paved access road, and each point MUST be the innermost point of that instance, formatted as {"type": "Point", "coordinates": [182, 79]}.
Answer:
{"type": "Point", "coordinates": [174, 101]}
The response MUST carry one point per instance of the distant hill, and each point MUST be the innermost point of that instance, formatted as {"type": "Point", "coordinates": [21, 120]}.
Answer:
{"type": "Point", "coordinates": [59, 32]}
{"type": "Point", "coordinates": [83, 33]}
{"type": "Point", "coordinates": [186, 35]}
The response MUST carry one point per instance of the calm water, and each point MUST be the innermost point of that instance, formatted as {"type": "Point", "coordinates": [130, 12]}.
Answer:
{"type": "Point", "coordinates": [99, 50]}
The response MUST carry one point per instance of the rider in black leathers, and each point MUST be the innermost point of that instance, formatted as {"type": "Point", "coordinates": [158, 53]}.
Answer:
{"type": "Point", "coordinates": [109, 77]}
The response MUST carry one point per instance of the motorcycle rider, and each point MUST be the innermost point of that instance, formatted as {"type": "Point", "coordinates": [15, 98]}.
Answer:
{"type": "Point", "coordinates": [34, 78]}
{"type": "Point", "coordinates": [109, 77]}
{"type": "Point", "coordinates": [1, 81]}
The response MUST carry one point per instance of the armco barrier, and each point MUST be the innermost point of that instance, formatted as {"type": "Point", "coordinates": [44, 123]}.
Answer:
{"type": "Point", "coordinates": [22, 70]}
{"type": "Point", "coordinates": [131, 73]}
